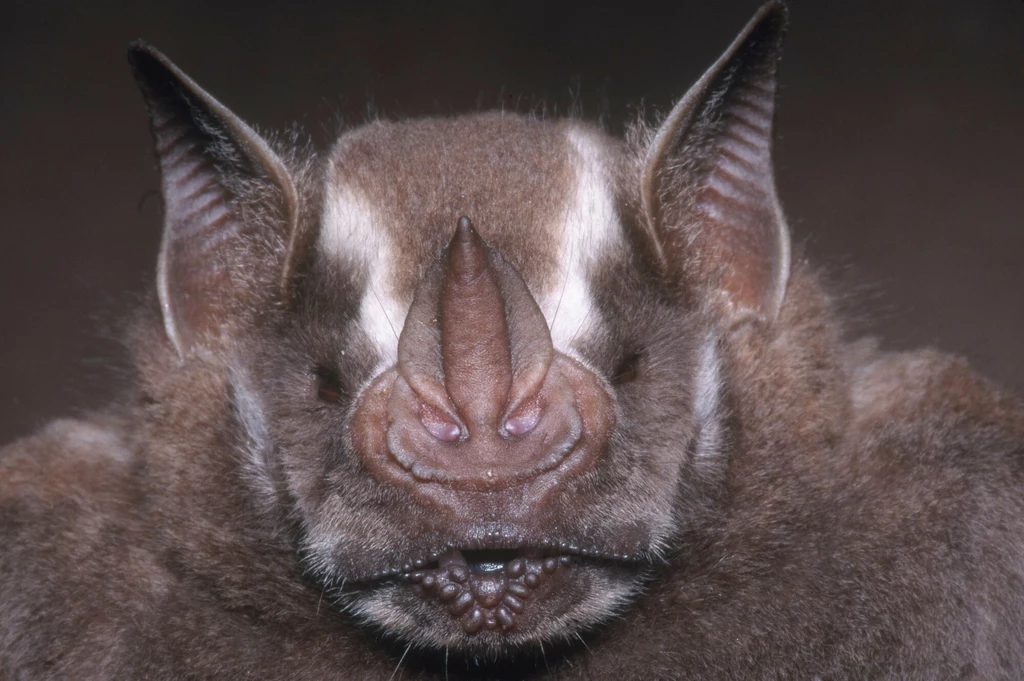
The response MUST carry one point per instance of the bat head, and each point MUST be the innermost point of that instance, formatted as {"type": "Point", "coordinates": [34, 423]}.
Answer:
{"type": "Point", "coordinates": [475, 360]}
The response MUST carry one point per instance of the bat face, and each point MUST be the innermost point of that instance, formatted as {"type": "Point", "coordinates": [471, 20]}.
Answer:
{"type": "Point", "coordinates": [483, 429]}
{"type": "Point", "coordinates": [475, 361]}
{"type": "Point", "coordinates": [496, 389]}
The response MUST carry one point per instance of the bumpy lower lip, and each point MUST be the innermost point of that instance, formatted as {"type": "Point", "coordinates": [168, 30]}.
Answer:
{"type": "Point", "coordinates": [489, 589]}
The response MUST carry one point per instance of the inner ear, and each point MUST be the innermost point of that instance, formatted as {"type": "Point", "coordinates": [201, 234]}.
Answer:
{"type": "Point", "coordinates": [708, 186]}
{"type": "Point", "coordinates": [226, 194]}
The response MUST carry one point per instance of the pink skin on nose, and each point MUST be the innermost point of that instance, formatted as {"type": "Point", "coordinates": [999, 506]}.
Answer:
{"type": "Point", "coordinates": [439, 427]}
{"type": "Point", "coordinates": [523, 421]}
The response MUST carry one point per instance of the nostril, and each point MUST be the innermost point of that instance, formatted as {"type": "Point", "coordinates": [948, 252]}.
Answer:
{"type": "Point", "coordinates": [449, 432]}
{"type": "Point", "coordinates": [441, 428]}
{"type": "Point", "coordinates": [523, 422]}
{"type": "Point", "coordinates": [535, 446]}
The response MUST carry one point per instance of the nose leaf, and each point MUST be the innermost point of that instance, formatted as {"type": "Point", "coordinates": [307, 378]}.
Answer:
{"type": "Point", "coordinates": [475, 347]}
{"type": "Point", "coordinates": [479, 398]}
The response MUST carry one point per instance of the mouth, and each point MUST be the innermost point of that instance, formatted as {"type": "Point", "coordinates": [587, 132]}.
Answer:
{"type": "Point", "coordinates": [490, 589]}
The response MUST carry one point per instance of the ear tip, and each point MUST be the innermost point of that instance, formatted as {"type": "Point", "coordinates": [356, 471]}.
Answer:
{"type": "Point", "coordinates": [777, 9]}
{"type": "Point", "coordinates": [147, 62]}
{"type": "Point", "coordinates": [765, 32]}
{"type": "Point", "coordinates": [772, 18]}
{"type": "Point", "coordinates": [139, 50]}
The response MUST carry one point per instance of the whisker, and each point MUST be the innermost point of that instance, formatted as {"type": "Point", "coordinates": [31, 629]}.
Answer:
{"type": "Point", "coordinates": [583, 323]}
{"type": "Point", "coordinates": [400, 661]}
{"type": "Point", "coordinates": [565, 281]}
{"type": "Point", "coordinates": [583, 642]}
{"type": "Point", "coordinates": [384, 310]}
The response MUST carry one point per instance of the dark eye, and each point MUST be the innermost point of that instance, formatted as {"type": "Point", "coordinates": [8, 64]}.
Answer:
{"type": "Point", "coordinates": [628, 368]}
{"type": "Point", "coordinates": [328, 385]}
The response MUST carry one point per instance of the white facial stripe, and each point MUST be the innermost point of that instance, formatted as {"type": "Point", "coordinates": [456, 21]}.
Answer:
{"type": "Point", "coordinates": [250, 412]}
{"type": "Point", "coordinates": [590, 226]}
{"type": "Point", "coordinates": [707, 392]}
{"type": "Point", "coordinates": [351, 233]}
{"type": "Point", "coordinates": [587, 227]}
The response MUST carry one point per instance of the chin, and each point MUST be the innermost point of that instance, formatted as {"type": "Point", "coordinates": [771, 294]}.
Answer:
{"type": "Point", "coordinates": [496, 601]}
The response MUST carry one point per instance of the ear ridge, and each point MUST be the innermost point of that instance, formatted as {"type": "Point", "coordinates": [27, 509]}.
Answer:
{"type": "Point", "coordinates": [199, 143]}
{"type": "Point", "coordinates": [708, 186]}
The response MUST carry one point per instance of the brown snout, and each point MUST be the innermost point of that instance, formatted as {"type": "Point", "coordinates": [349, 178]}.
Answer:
{"type": "Point", "coordinates": [479, 399]}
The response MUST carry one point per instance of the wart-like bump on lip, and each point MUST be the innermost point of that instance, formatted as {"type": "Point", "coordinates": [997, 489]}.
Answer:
{"type": "Point", "coordinates": [488, 589]}
{"type": "Point", "coordinates": [492, 589]}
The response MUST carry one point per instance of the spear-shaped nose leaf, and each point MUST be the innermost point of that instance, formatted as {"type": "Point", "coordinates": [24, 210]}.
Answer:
{"type": "Point", "coordinates": [475, 348]}
{"type": "Point", "coordinates": [479, 398]}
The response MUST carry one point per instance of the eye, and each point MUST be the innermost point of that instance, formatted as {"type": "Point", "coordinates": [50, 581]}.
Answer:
{"type": "Point", "coordinates": [628, 368]}
{"type": "Point", "coordinates": [328, 385]}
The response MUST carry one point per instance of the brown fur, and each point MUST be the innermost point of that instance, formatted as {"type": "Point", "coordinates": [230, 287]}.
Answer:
{"type": "Point", "coordinates": [425, 174]}
{"type": "Point", "coordinates": [860, 516]}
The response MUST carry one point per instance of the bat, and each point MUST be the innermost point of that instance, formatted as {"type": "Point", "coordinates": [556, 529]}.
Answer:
{"type": "Point", "coordinates": [502, 396]}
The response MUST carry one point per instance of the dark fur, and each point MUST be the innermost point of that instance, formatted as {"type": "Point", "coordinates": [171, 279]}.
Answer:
{"type": "Point", "coordinates": [863, 519]}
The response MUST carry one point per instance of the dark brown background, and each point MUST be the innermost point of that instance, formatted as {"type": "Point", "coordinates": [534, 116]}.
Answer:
{"type": "Point", "coordinates": [900, 153]}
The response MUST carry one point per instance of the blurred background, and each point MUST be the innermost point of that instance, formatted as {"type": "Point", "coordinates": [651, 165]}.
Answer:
{"type": "Point", "coordinates": [900, 147]}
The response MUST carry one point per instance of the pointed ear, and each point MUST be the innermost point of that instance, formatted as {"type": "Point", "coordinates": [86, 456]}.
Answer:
{"type": "Point", "coordinates": [708, 188]}
{"type": "Point", "coordinates": [225, 193]}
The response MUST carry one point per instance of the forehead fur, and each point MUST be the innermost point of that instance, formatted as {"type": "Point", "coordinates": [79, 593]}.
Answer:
{"type": "Point", "coordinates": [540, 192]}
